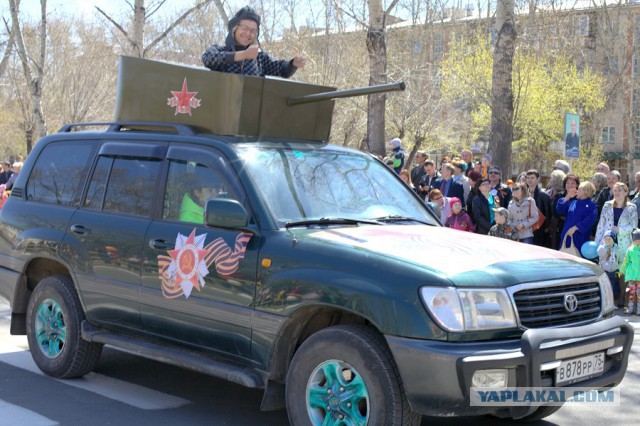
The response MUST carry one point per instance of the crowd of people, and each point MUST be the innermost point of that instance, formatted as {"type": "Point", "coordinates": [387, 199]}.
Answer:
{"type": "Point", "coordinates": [595, 218]}
{"type": "Point", "coordinates": [8, 177]}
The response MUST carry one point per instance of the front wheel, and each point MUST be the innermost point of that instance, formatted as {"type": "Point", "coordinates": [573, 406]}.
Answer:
{"type": "Point", "coordinates": [54, 316]}
{"type": "Point", "coordinates": [346, 375]}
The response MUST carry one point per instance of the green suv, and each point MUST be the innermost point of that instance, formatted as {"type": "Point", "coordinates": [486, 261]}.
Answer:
{"type": "Point", "coordinates": [308, 270]}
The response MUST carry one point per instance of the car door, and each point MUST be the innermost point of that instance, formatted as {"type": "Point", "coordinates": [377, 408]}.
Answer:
{"type": "Point", "coordinates": [109, 228]}
{"type": "Point", "coordinates": [198, 283]}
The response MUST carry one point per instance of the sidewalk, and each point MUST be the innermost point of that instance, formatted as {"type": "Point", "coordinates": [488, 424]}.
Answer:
{"type": "Point", "coordinates": [634, 320]}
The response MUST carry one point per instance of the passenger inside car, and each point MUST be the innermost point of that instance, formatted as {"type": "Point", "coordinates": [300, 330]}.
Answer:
{"type": "Point", "coordinates": [192, 206]}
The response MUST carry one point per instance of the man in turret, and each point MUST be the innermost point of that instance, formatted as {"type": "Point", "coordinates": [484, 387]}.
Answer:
{"type": "Point", "coordinates": [241, 53]}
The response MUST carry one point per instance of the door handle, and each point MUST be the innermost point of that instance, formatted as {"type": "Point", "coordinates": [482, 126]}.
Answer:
{"type": "Point", "coordinates": [161, 245]}
{"type": "Point", "coordinates": [80, 229]}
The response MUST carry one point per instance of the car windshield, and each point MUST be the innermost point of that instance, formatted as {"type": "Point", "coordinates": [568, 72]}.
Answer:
{"type": "Point", "coordinates": [302, 185]}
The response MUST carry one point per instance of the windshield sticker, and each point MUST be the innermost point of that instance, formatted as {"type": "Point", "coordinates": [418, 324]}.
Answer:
{"type": "Point", "coordinates": [188, 263]}
{"type": "Point", "coordinates": [184, 101]}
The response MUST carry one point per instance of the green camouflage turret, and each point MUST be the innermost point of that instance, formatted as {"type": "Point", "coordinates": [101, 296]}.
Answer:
{"type": "Point", "coordinates": [227, 104]}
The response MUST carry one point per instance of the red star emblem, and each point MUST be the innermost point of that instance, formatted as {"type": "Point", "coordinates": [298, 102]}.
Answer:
{"type": "Point", "coordinates": [183, 100]}
{"type": "Point", "coordinates": [188, 257]}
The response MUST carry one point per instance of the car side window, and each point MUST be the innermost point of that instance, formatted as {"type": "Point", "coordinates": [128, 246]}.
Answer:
{"type": "Point", "coordinates": [189, 186]}
{"type": "Point", "coordinates": [123, 185]}
{"type": "Point", "coordinates": [59, 173]}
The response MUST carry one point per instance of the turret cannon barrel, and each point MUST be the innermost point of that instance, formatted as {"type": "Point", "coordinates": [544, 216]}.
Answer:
{"type": "Point", "coordinates": [347, 93]}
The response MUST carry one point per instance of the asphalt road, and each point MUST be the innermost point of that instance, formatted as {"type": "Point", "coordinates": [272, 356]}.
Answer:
{"type": "Point", "coordinates": [129, 390]}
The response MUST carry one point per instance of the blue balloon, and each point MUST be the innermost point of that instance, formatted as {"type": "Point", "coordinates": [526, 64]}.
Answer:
{"type": "Point", "coordinates": [589, 250]}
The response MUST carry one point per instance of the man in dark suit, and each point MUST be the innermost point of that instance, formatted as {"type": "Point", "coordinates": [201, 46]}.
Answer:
{"type": "Point", "coordinates": [572, 143]}
{"type": "Point", "coordinates": [427, 180]}
{"type": "Point", "coordinates": [6, 172]}
{"type": "Point", "coordinates": [446, 184]}
{"type": "Point", "coordinates": [499, 189]}
{"type": "Point", "coordinates": [418, 171]}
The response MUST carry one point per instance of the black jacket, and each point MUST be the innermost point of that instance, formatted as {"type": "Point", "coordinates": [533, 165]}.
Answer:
{"type": "Point", "coordinates": [429, 181]}
{"type": "Point", "coordinates": [416, 174]}
{"type": "Point", "coordinates": [543, 202]}
{"type": "Point", "coordinates": [503, 192]}
{"type": "Point", "coordinates": [481, 214]}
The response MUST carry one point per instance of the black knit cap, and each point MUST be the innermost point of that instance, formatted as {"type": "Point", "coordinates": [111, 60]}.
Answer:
{"type": "Point", "coordinates": [244, 13]}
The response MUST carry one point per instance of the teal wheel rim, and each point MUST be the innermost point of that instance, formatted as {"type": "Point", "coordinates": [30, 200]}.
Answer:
{"type": "Point", "coordinates": [50, 329]}
{"type": "Point", "coordinates": [337, 395]}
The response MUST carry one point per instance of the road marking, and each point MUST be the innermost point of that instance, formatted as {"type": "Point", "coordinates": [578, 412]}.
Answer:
{"type": "Point", "coordinates": [14, 415]}
{"type": "Point", "coordinates": [118, 390]}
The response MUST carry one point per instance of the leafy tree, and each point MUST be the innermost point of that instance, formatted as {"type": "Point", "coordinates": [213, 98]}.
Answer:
{"type": "Point", "coordinates": [545, 87]}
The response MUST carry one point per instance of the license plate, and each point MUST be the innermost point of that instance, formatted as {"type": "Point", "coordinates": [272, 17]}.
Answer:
{"type": "Point", "coordinates": [579, 369]}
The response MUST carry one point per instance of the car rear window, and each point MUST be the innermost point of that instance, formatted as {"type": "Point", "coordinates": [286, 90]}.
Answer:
{"type": "Point", "coordinates": [59, 173]}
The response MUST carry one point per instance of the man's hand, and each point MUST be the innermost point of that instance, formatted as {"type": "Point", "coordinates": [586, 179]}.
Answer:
{"type": "Point", "coordinates": [299, 61]}
{"type": "Point", "coordinates": [250, 53]}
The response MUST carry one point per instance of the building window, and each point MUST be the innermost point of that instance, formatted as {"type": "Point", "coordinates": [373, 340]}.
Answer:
{"type": "Point", "coordinates": [635, 103]}
{"type": "Point", "coordinates": [634, 69]}
{"type": "Point", "coordinates": [582, 26]}
{"type": "Point", "coordinates": [608, 135]}
{"type": "Point", "coordinates": [437, 47]}
{"type": "Point", "coordinates": [610, 65]}
{"type": "Point", "coordinates": [636, 137]}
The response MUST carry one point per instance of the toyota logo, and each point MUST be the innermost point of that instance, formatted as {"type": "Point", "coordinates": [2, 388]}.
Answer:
{"type": "Point", "coordinates": [570, 302]}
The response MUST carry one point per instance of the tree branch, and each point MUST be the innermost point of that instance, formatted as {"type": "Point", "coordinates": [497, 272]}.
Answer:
{"type": "Point", "coordinates": [115, 24]}
{"type": "Point", "coordinates": [351, 15]}
{"type": "Point", "coordinates": [8, 50]}
{"type": "Point", "coordinates": [154, 8]}
{"type": "Point", "coordinates": [390, 8]}
{"type": "Point", "coordinates": [173, 25]}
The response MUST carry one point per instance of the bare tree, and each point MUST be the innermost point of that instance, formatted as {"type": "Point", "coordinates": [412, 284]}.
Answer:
{"type": "Point", "coordinates": [502, 87]}
{"type": "Point", "coordinates": [33, 68]}
{"type": "Point", "coordinates": [8, 50]}
{"type": "Point", "coordinates": [135, 38]}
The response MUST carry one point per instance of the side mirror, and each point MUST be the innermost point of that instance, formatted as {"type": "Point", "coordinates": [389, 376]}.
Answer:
{"type": "Point", "coordinates": [223, 213]}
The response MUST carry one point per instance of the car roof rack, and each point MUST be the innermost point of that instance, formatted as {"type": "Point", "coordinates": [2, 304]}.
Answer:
{"type": "Point", "coordinates": [133, 126]}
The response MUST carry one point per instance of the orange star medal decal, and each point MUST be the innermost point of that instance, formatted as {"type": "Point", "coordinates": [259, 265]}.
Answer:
{"type": "Point", "coordinates": [188, 262]}
{"type": "Point", "coordinates": [187, 265]}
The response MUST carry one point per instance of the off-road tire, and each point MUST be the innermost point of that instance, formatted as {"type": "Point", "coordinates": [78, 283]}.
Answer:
{"type": "Point", "coordinates": [365, 351]}
{"type": "Point", "coordinates": [66, 357]}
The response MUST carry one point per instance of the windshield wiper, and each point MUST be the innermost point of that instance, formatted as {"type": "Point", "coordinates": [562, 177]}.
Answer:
{"type": "Point", "coordinates": [331, 221]}
{"type": "Point", "coordinates": [395, 218]}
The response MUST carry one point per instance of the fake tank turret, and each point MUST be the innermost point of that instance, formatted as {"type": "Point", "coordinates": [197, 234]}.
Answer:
{"type": "Point", "coordinates": [228, 104]}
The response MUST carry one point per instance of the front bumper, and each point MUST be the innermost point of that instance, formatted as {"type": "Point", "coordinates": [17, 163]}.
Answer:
{"type": "Point", "coordinates": [437, 375]}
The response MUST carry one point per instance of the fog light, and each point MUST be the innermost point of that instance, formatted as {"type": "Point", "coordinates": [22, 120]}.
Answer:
{"type": "Point", "coordinates": [490, 378]}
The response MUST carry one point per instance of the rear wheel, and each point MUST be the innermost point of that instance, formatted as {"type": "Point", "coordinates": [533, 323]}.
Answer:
{"type": "Point", "coordinates": [346, 375]}
{"type": "Point", "coordinates": [54, 317]}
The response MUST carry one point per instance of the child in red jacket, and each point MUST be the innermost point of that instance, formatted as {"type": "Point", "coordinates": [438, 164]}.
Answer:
{"type": "Point", "coordinates": [459, 219]}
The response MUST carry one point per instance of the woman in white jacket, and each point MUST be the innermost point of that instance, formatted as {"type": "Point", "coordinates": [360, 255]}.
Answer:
{"type": "Point", "coordinates": [523, 213]}
{"type": "Point", "coordinates": [620, 216]}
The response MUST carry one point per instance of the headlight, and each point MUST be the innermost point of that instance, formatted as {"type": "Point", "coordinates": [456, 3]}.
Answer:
{"type": "Point", "coordinates": [469, 309]}
{"type": "Point", "coordinates": [607, 294]}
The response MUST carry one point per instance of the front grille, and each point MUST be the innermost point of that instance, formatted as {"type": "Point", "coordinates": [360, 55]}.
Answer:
{"type": "Point", "coordinates": [544, 306]}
